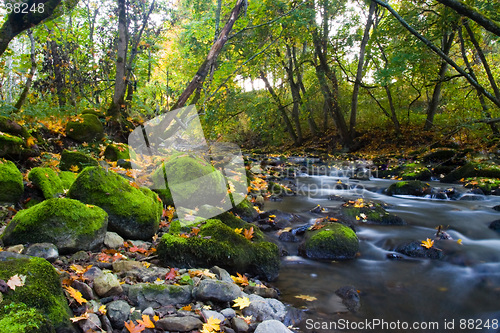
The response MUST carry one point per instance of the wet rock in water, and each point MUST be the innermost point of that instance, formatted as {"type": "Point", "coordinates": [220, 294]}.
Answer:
{"type": "Point", "coordinates": [11, 182]}
{"type": "Point", "coordinates": [350, 297]}
{"type": "Point", "coordinates": [218, 244]}
{"type": "Point", "coordinates": [107, 284]}
{"type": "Point", "coordinates": [112, 240]}
{"type": "Point", "coordinates": [118, 313]}
{"type": "Point", "coordinates": [472, 197]}
{"type": "Point", "coordinates": [40, 297]}
{"type": "Point", "coordinates": [416, 250]}
{"type": "Point", "coordinates": [289, 237]}
{"type": "Point", "coordinates": [179, 324]}
{"type": "Point", "coordinates": [281, 219]}
{"type": "Point", "coordinates": [144, 295]}
{"type": "Point", "coordinates": [133, 213]}
{"type": "Point", "coordinates": [410, 187]}
{"type": "Point", "coordinates": [46, 251]}
{"type": "Point", "coordinates": [265, 308]}
{"type": "Point", "coordinates": [68, 224]}
{"type": "Point", "coordinates": [361, 173]}
{"type": "Point", "coordinates": [497, 208]}
{"type": "Point", "coordinates": [274, 326]}
{"type": "Point", "coordinates": [473, 169]}
{"type": "Point", "coordinates": [246, 211]}
{"type": "Point", "coordinates": [335, 197]}
{"type": "Point", "coordinates": [218, 291]}
{"type": "Point", "coordinates": [318, 210]}
{"type": "Point", "coordinates": [334, 241]}
{"type": "Point", "coordinates": [370, 212]}
{"type": "Point", "coordinates": [495, 225]}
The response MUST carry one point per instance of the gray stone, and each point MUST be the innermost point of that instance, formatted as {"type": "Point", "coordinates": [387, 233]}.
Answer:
{"type": "Point", "coordinates": [106, 285]}
{"type": "Point", "coordinates": [19, 248]}
{"type": "Point", "coordinates": [265, 308]}
{"type": "Point", "coordinates": [219, 291]}
{"type": "Point", "coordinates": [46, 251]}
{"type": "Point", "coordinates": [144, 295]}
{"type": "Point", "coordinates": [149, 311]}
{"type": "Point", "coordinates": [222, 274]}
{"type": "Point", "coordinates": [126, 265]}
{"type": "Point", "coordinates": [210, 313]}
{"type": "Point", "coordinates": [261, 291]}
{"type": "Point", "coordinates": [179, 324]}
{"type": "Point", "coordinates": [350, 297]}
{"type": "Point", "coordinates": [228, 313]}
{"type": "Point", "coordinates": [92, 273]}
{"type": "Point", "coordinates": [239, 325]}
{"type": "Point", "coordinates": [84, 289]}
{"type": "Point", "coordinates": [274, 326]}
{"type": "Point", "coordinates": [118, 312]}
{"type": "Point", "coordinates": [91, 324]}
{"type": "Point", "coordinates": [113, 240]}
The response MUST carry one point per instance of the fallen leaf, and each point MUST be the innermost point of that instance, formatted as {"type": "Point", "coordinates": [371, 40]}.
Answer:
{"type": "Point", "coordinates": [248, 233]}
{"type": "Point", "coordinates": [428, 243]}
{"type": "Point", "coordinates": [146, 322]}
{"type": "Point", "coordinates": [102, 309]}
{"type": "Point", "coordinates": [171, 274]}
{"type": "Point", "coordinates": [16, 281]}
{"type": "Point", "coordinates": [306, 297]}
{"type": "Point", "coordinates": [238, 230]}
{"type": "Point", "coordinates": [132, 328]}
{"type": "Point", "coordinates": [240, 279]}
{"type": "Point", "coordinates": [30, 142]}
{"type": "Point", "coordinates": [74, 168]}
{"type": "Point", "coordinates": [187, 308]}
{"type": "Point", "coordinates": [82, 317]}
{"type": "Point", "coordinates": [75, 294]}
{"type": "Point", "coordinates": [459, 241]}
{"type": "Point", "coordinates": [241, 302]}
{"type": "Point", "coordinates": [212, 325]}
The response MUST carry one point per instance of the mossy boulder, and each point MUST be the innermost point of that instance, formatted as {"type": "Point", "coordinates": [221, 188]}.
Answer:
{"type": "Point", "coordinates": [415, 171]}
{"type": "Point", "coordinates": [409, 187]}
{"type": "Point", "coordinates": [333, 241]}
{"type": "Point", "coordinates": [85, 128]}
{"type": "Point", "coordinates": [278, 189]}
{"type": "Point", "coordinates": [71, 159]}
{"type": "Point", "coordinates": [246, 211]}
{"type": "Point", "coordinates": [66, 223]}
{"type": "Point", "coordinates": [440, 155]}
{"type": "Point", "coordinates": [487, 185]}
{"type": "Point", "coordinates": [370, 212]}
{"type": "Point", "coordinates": [8, 125]}
{"type": "Point", "coordinates": [67, 179]}
{"type": "Point", "coordinates": [192, 180]}
{"type": "Point", "coordinates": [41, 294]}
{"type": "Point", "coordinates": [11, 182]}
{"type": "Point", "coordinates": [217, 244]}
{"type": "Point", "coordinates": [117, 151]}
{"type": "Point", "coordinates": [133, 213]}
{"type": "Point", "coordinates": [19, 318]}
{"type": "Point", "coordinates": [473, 169]}
{"type": "Point", "coordinates": [47, 181]}
{"type": "Point", "coordinates": [10, 145]}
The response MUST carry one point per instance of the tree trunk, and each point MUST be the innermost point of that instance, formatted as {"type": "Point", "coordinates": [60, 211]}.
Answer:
{"type": "Point", "coordinates": [295, 90]}
{"type": "Point", "coordinates": [32, 71]}
{"type": "Point", "coordinates": [58, 75]}
{"type": "Point", "coordinates": [446, 43]}
{"type": "Point", "coordinates": [310, 120]}
{"type": "Point", "coordinates": [281, 108]}
{"type": "Point", "coordinates": [359, 72]}
{"type": "Point", "coordinates": [471, 13]}
{"type": "Point", "coordinates": [200, 76]}
{"type": "Point", "coordinates": [394, 117]}
{"type": "Point", "coordinates": [121, 60]}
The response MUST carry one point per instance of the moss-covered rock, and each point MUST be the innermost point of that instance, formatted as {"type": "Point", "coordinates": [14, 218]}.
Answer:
{"type": "Point", "coordinates": [117, 151]}
{"type": "Point", "coordinates": [218, 244]}
{"type": "Point", "coordinates": [8, 125]}
{"type": "Point", "coordinates": [473, 169]}
{"type": "Point", "coordinates": [71, 159]}
{"type": "Point", "coordinates": [246, 211]}
{"type": "Point", "coordinates": [409, 187]}
{"type": "Point", "coordinates": [66, 223]}
{"type": "Point", "coordinates": [370, 212]}
{"type": "Point", "coordinates": [11, 145]}
{"type": "Point", "coordinates": [278, 189]}
{"type": "Point", "coordinates": [19, 318]}
{"type": "Point", "coordinates": [11, 182]}
{"type": "Point", "coordinates": [47, 181]}
{"type": "Point", "coordinates": [133, 213]}
{"type": "Point", "coordinates": [67, 179]}
{"type": "Point", "coordinates": [415, 171]}
{"type": "Point", "coordinates": [85, 128]}
{"type": "Point", "coordinates": [334, 241]}
{"type": "Point", "coordinates": [487, 185]}
{"type": "Point", "coordinates": [42, 291]}
{"type": "Point", "coordinates": [440, 155]}
{"type": "Point", "coordinates": [95, 112]}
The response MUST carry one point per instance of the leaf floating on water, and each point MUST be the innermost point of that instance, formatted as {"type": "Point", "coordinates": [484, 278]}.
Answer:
{"type": "Point", "coordinates": [459, 241]}
{"type": "Point", "coordinates": [306, 298]}
{"type": "Point", "coordinates": [428, 243]}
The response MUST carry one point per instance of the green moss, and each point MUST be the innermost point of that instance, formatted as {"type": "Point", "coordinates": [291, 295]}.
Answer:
{"type": "Point", "coordinates": [117, 151]}
{"type": "Point", "coordinates": [67, 223]}
{"type": "Point", "coordinates": [7, 125]}
{"type": "Point", "coordinates": [11, 182]}
{"type": "Point", "coordinates": [71, 159]}
{"type": "Point", "coordinates": [487, 185]}
{"type": "Point", "coordinates": [234, 222]}
{"type": "Point", "coordinates": [132, 212]}
{"type": "Point", "coordinates": [246, 210]}
{"type": "Point", "coordinates": [218, 244]}
{"type": "Point", "coordinates": [42, 289]}
{"type": "Point", "coordinates": [410, 187]}
{"type": "Point", "coordinates": [86, 129]}
{"type": "Point", "coordinates": [46, 180]}
{"type": "Point", "coordinates": [276, 188]}
{"type": "Point", "coordinates": [473, 169]}
{"type": "Point", "coordinates": [67, 179]}
{"type": "Point", "coordinates": [18, 318]}
{"type": "Point", "coordinates": [333, 241]}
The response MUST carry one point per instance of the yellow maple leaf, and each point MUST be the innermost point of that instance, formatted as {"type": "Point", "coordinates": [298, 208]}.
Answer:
{"type": "Point", "coordinates": [240, 279]}
{"type": "Point", "coordinates": [75, 294]}
{"type": "Point", "coordinates": [30, 142]}
{"type": "Point", "coordinates": [241, 302]}
{"type": "Point", "coordinates": [74, 168]}
{"type": "Point", "coordinates": [146, 322]}
{"type": "Point", "coordinates": [238, 230]}
{"type": "Point", "coordinates": [187, 308]}
{"type": "Point", "coordinates": [459, 241]}
{"type": "Point", "coordinates": [428, 243]}
{"type": "Point", "coordinates": [212, 325]}
{"type": "Point", "coordinates": [102, 309]}
{"type": "Point", "coordinates": [306, 297]}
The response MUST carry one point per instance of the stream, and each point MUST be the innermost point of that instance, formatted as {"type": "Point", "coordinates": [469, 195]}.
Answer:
{"type": "Point", "coordinates": [462, 289]}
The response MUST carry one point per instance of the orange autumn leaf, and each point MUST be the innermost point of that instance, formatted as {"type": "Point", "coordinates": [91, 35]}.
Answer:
{"type": "Point", "coordinates": [146, 322]}
{"type": "Point", "coordinates": [187, 308]}
{"type": "Point", "coordinates": [195, 231]}
{"type": "Point", "coordinates": [240, 279]}
{"type": "Point", "coordinates": [30, 142]}
{"type": "Point", "coordinates": [248, 233]}
{"type": "Point", "coordinates": [427, 243]}
{"type": "Point", "coordinates": [132, 328]}
{"type": "Point", "coordinates": [75, 294]}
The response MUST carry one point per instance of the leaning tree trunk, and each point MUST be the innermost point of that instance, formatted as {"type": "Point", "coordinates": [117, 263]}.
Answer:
{"type": "Point", "coordinates": [31, 73]}
{"type": "Point", "coordinates": [436, 94]}
{"type": "Point", "coordinates": [295, 90]}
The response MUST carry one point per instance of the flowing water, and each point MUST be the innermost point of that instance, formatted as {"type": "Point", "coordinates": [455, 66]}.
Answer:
{"type": "Point", "coordinates": [464, 285]}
